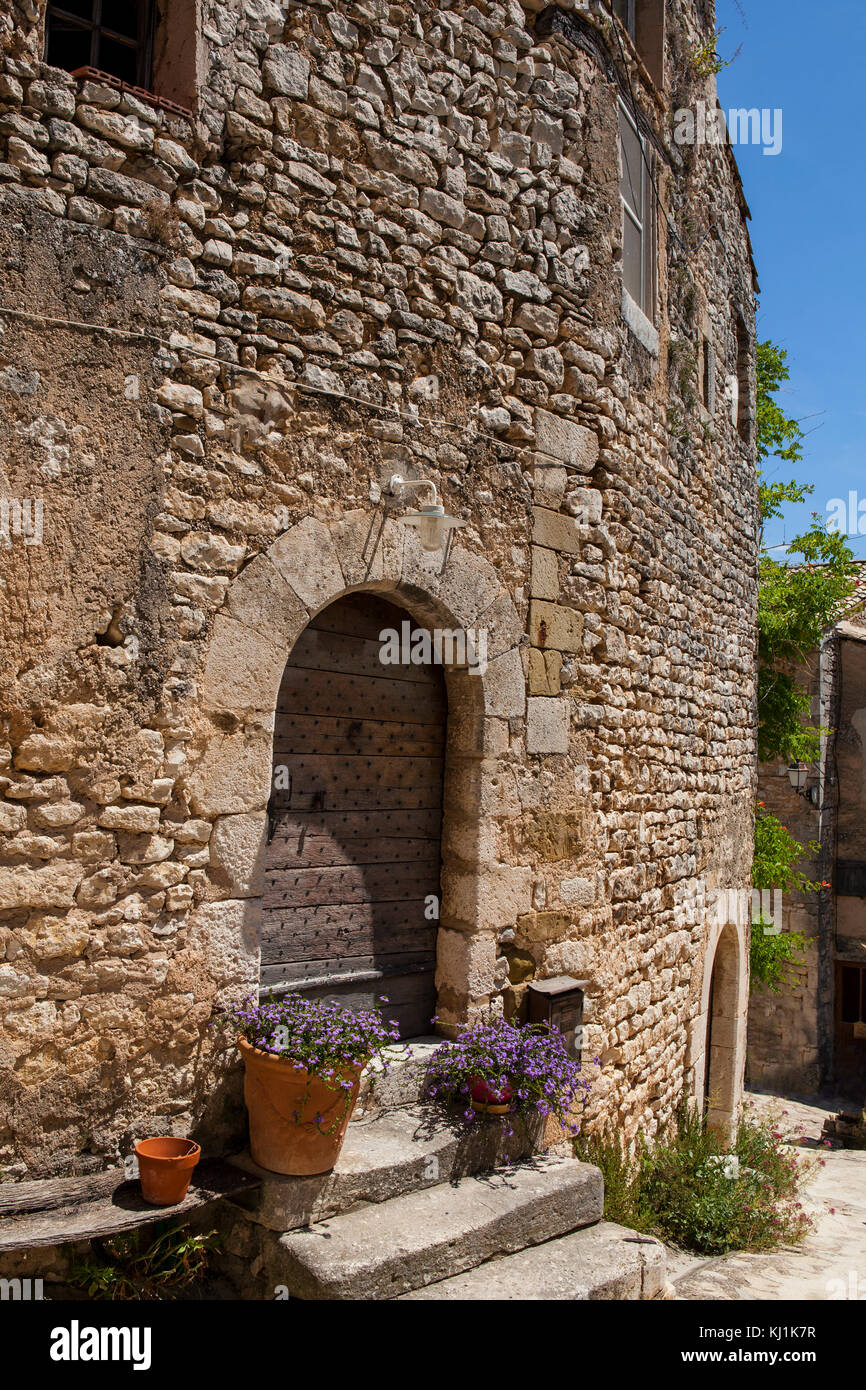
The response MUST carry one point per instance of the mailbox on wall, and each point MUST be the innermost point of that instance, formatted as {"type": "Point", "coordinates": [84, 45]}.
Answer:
{"type": "Point", "coordinates": [559, 1002]}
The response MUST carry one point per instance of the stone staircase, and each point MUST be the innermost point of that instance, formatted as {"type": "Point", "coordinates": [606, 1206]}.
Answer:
{"type": "Point", "coordinates": [418, 1207]}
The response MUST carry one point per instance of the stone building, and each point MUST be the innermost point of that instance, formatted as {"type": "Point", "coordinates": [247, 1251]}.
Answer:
{"type": "Point", "coordinates": [259, 257]}
{"type": "Point", "coordinates": [812, 1036]}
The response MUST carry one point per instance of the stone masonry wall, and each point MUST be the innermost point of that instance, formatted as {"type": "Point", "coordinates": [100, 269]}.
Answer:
{"type": "Point", "coordinates": [388, 240]}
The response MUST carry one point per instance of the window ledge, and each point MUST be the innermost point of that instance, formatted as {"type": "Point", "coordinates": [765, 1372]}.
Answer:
{"type": "Point", "coordinates": [140, 93]}
{"type": "Point", "coordinates": [645, 332]}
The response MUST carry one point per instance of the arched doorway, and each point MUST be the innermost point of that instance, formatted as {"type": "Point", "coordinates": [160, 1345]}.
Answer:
{"type": "Point", "coordinates": [723, 1050]}
{"type": "Point", "coordinates": [352, 866]}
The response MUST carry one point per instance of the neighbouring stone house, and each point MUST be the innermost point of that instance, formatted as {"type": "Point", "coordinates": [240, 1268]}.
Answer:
{"type": "Point", "coordinates": [257, 258]}
{"type": "Point", "coordinates": [812, 1036]}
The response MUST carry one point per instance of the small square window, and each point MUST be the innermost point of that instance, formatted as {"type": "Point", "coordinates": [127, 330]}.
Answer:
{"type": "Point", "coordinates": [150, 44]}
{"type": "Point", "coordinates": [114, 36]}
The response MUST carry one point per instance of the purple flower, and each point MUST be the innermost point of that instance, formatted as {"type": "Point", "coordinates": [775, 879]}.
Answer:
{"type": "Point", "coordinates": [530, 1065]}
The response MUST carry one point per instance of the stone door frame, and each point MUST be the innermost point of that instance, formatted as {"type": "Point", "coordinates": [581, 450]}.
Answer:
{"type": "Point", "coordinates": [266, 608]}
{"type": "Point", "coordinates": [725, 952]}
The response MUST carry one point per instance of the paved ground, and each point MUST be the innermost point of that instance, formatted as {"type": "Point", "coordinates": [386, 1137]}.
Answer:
{"type": "Point", "coordinates": [831, 1261]}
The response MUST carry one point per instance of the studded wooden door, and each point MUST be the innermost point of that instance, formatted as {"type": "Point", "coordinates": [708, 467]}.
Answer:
{"type": "Point", "coordinates": [352, 868]}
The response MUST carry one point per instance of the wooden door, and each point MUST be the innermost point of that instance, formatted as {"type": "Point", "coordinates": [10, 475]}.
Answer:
{"type": "Point", "coordinates": [850, 1049]}
{"type": "Point", "coordinates": [352, 868]}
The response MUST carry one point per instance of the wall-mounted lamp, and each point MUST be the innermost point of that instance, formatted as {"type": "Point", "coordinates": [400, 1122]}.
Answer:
{"type": "Point", "coordinates": [798, 776]}
{"type": "Point", "coordinates": [432, 522]}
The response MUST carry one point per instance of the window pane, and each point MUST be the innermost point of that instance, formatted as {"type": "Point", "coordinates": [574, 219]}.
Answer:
{"type": "Point", "coordinates": [632, 166]}
{"type": "Point", "coordinates": [68, 45]}
{"type": "Point", "coordinates": [850, 994]}
{"type": "Point", "coordinates": [82, 8]}
{"type": "Point", "coordinates": [121, 16]}
{"type": "Point", "coordinates": [632, 258]}
{"type": "Point", "coordinates": [120, 59]}
{"type": "Point", "coordinates": [649, 249]}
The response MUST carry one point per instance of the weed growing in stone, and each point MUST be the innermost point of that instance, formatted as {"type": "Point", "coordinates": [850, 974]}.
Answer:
{"type": "Point", "coordinates": [144, 1265]}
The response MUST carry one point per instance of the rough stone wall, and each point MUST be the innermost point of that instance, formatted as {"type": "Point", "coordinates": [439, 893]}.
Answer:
{"type": "Point", "coordinates": [388, 240]}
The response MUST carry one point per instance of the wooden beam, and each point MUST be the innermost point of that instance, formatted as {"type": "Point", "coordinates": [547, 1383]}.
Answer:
{"type": "Point", "coordinates": [60, 1210]}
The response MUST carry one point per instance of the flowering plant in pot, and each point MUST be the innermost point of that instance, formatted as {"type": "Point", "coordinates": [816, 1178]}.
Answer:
{"type": "Point", "coordinates": [497, 1068]}
{"type": "Point", "coordinates": [303, 1060]}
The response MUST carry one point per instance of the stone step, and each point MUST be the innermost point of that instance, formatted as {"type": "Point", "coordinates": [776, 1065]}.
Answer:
{"type": "Point", "coordinates": [601, 1262]}
{"type": "Point", "coordinates": [401, 1082]}
{"type": "Point", "coordinates": [390, 1153]}
{"type": "Point", "coordinates": [382, 1251]}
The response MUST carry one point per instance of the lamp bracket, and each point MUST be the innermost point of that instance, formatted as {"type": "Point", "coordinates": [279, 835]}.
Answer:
{"type": "Point", "coordinates": [397, 482]}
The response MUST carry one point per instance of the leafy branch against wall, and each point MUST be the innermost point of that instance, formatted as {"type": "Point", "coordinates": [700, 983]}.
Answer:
{"type": "Point", "coordinates": [776, 955]}
{"type": "Point", "coordinates": [799, 594]}
{"type": "Point", "coordinates": [774, 959]}
{"type": "Point", "coordinates": [796, 604]}
{"type": "Point", "coordinates": [776, 855]}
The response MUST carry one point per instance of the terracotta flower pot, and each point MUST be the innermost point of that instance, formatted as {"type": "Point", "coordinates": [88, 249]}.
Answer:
{"type": "Point", "coordinates": [165, 1167]}
{"type": "Point", "coordinates": [490, 1100]}
{"type": "Point", "coordinates": [283, 1103]}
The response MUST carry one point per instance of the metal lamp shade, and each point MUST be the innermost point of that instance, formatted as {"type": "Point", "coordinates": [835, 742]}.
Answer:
{"type": "Point", "coordinates": [432, 525]}
{"type": "Point", "coordinates": [798, 773]}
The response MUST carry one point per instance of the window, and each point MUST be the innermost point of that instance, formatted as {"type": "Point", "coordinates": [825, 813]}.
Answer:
{"type": "Point", "coordinates": [624, 11]}
{"type": "Point", "coordinates": [115, 36]}
{"type": "Point", "coordinates": [638, 208]}
{"type": "Point", "coordinates": [644, 22]}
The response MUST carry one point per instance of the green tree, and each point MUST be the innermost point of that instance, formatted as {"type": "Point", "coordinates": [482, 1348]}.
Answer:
{"type": "Point", "coordinates": [798, 595]}
{"type": "Point", "coordinates": [797, 599]}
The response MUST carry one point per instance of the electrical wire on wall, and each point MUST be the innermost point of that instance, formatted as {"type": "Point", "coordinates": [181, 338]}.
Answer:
{"type": "Point", "coordinates": [408, 417]}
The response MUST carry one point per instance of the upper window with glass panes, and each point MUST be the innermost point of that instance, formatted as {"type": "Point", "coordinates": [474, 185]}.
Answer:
{"type": "Point", "coordinates": [624, 11]}
{"type": "Point", "coordinates": [114, 36]}
{"type": "Point", "coordinates": [644, 22]}
{"type": "Point", "coordinates": [638, 216]}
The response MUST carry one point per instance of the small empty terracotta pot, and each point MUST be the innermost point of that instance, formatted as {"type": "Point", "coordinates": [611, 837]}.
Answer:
{"type": "Point", "coordinates": [165, 1167]}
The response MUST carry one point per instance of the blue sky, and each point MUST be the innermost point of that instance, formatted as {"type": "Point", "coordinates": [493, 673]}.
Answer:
{"type": "Point", "coordinates": [808, 227]}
